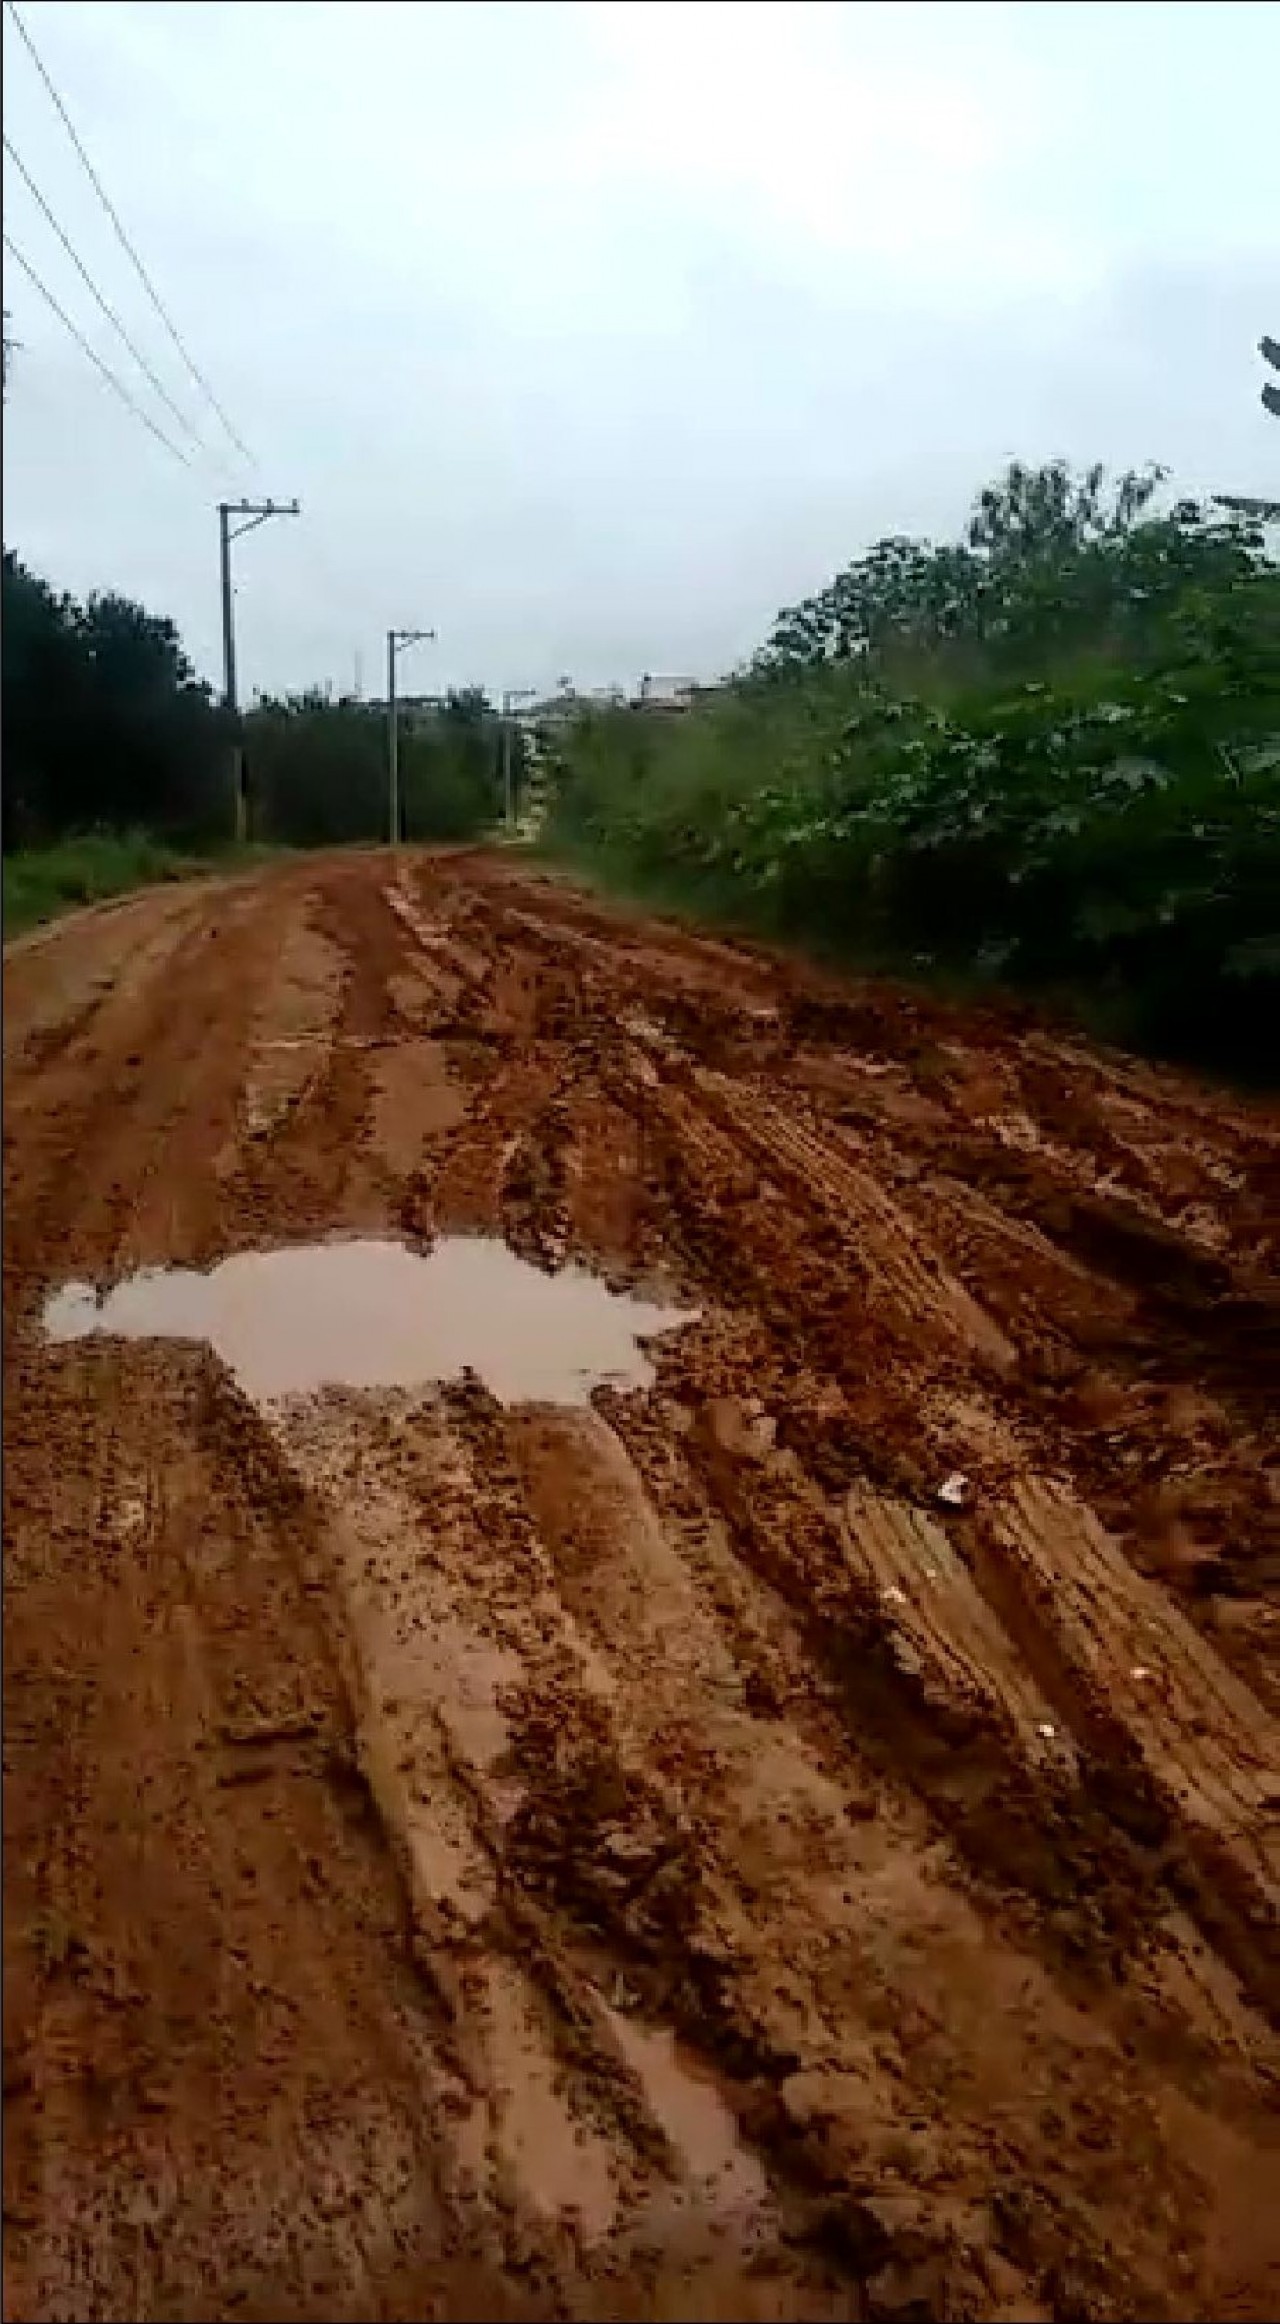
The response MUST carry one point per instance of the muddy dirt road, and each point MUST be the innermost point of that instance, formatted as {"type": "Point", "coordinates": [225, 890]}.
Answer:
{"type": "Point", "coordinates": [795, 1838]}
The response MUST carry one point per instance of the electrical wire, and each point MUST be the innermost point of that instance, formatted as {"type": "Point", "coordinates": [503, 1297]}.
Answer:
{"type": "Point", "coordinates": [105, 368]}
{"type": "Point", "coordinates": [107, 204]}
{"type": "Point", "coordinates": [109, 311]}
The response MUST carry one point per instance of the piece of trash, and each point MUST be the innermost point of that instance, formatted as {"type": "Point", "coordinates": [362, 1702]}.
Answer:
{"type": "Point", "coordinates": [893, 1596]}
{"type": "Point", "coordinates": [1140, 1670]}
{"type": "Point", "coordinates": [1046, 1728]}
{"type": "Point", "coordinates": [953, 1489]}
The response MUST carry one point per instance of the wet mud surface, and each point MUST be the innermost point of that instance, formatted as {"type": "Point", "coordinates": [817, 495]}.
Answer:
{"type": "Point", "coordinates": [794, 1836]}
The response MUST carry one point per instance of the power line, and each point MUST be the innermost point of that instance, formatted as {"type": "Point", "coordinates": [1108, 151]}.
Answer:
{"type": "Point", "coordinates": [105, 368]}
{"type": "Point", "coordinates": [109, 311]}
{"type": "Point", "coordinates": [107, 204]}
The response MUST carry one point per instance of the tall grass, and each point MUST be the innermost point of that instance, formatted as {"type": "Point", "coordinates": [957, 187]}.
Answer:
{"type": "Point", "coordinates": [89, 868]}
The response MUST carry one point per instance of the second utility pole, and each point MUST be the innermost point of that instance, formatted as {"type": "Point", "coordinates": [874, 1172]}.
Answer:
{"type": "Point", "coordinates": [396, 638]}
{"type": "Point", "coordinates": [257, 512]}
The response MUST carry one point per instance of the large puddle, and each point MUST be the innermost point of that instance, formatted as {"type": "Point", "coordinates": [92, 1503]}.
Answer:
{"type": "Point", "coordinates": [371, 1314]}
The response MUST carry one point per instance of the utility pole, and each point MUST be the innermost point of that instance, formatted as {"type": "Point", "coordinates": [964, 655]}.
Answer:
{"type": "Point", "coordinates": [256, 512]}
{"type": "Point", "coordinates": [510, 698]}
{"type": "Point", "coordinates": [395, 639]}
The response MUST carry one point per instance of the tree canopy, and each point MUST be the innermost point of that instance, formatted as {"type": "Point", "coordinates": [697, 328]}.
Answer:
{"type": "Point", "coordinates": [1049, 562]}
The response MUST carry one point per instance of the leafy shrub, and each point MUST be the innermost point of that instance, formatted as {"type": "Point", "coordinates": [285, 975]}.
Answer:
{"type": "Point", "coordinates": [1108, 827]}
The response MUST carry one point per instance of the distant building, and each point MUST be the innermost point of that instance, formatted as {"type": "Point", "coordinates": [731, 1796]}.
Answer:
{"type": "Point", "coordinates": [664, 695]}
{"type": "Point", "coordinates": [559, 709]}
{"type": "Point", "coordinates": [413, 710]}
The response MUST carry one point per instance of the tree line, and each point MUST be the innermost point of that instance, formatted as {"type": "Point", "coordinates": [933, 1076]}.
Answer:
{"type": "Point", "coordinates": [317, 769]}
{"type": "Point", "coordinates": [1051, 564]}
{"type": "Point", "coordinates": [106, 727]}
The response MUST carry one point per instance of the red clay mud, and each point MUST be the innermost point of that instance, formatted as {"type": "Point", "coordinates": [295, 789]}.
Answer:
{"type": "Point", "coordinates": [794, 1839]}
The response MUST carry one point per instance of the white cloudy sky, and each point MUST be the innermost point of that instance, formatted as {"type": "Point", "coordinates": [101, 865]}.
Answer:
{"type": "Point", "coordinates": [591, 334]}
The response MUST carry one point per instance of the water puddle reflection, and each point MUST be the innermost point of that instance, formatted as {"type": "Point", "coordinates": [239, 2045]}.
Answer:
{"type": "Point", "coordinates": [694, 2115]}
{"type": "Point", "coordinates": [373, 1314]}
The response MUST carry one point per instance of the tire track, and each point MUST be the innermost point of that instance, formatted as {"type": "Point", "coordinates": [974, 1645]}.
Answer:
{"type": "Point", "coordinates": [668, 1856]}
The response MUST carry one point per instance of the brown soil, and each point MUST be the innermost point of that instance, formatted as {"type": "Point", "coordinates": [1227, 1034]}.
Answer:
{"type": "Point", "coordinates": [667, 1857]}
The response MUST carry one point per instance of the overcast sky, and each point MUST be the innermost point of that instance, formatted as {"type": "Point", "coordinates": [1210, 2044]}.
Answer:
{"type": "Point", "coordinates": [592, 334]}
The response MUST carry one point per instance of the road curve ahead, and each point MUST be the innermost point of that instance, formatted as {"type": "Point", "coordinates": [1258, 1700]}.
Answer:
{"type": "Point", "coordinates": [788, 1829]}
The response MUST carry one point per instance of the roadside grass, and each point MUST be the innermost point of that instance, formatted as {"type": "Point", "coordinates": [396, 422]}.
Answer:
{"type": "Point", "coordinates": [40, 883]}
{"type": "Point", "coordinates": [706, 906]}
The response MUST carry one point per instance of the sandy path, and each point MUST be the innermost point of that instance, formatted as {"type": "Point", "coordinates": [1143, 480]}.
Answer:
{"type": "Point", "coordinates": [662, 1857]}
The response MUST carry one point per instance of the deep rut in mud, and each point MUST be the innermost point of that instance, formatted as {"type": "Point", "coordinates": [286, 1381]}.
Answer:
{"type": "Point", "coordinates": [795, 1838]}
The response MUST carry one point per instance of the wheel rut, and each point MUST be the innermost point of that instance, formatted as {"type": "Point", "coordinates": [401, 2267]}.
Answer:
{"type": "Point", "coordinates": [797, 1838]}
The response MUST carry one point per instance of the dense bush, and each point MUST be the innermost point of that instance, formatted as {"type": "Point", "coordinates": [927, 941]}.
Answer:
{"type": "Point", "coordinates": [318, 770]}
{"type": "Point", "coordinates": [1073, 786]}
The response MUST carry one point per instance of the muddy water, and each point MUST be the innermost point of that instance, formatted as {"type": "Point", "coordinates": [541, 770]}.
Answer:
{"type": "Point", "coordinates": [373, 1314]}
{"type": "Point", "coordinates": [693, 2115]}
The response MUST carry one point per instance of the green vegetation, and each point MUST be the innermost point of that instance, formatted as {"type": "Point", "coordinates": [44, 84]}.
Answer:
{"type": "Point", "coordinates": [117, 763]}
{"type": "Point", "coordinates": [105, 725]}
{"type": "Point", "coordinates": [318, 769]}
{"type": "Point", "coordinates": [42, 881]}
{"type": "Point", "coordinates": [1048, 755]}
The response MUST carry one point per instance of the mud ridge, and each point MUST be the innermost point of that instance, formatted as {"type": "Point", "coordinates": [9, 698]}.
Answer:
{"type": "Point", "coordinates": [796, 1838]}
